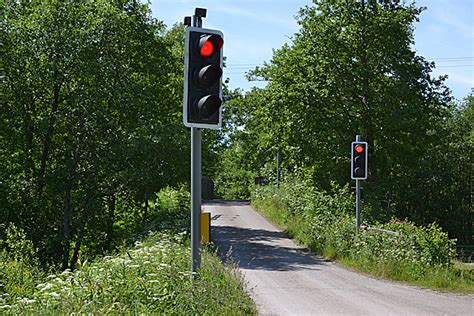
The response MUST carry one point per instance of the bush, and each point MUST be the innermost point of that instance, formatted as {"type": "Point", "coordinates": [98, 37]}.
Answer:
{"type": "Point", "coordinates": [418, 249]}
{"type": "Point", "coordinates": [19, 268]}
{"type": "Point", "coordinates": [235, 186]}
{"type": "Point", "coordinates": [171, 209]}
{"type": "Point", "coordinates": [325, 222]}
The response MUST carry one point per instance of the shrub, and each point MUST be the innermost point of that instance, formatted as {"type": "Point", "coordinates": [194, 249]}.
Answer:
{"type": "Point", "coordinates": [171, 209]}
{"type": "Point", "coordinates": [19, 268]}
{"type": "Point", "coordinates": [325, 222]}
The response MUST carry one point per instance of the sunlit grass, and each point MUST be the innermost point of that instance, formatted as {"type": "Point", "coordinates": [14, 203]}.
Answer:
{"type": "Point", "coordinates": [151, 278]}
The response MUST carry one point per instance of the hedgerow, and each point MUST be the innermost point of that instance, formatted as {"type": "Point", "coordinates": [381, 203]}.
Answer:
{"type": "Point", "coordinates": [325, 222]}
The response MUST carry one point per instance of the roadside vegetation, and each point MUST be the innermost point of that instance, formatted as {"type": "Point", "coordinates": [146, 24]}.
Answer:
{"type": "Point", "coordinates": [91, 136]}
{"type": "Point", "coordinates": [153, 276]}
{"type": "Point", "coordinates": [349, 70]}
{"type": "Point", "coordinates": [325, 222]}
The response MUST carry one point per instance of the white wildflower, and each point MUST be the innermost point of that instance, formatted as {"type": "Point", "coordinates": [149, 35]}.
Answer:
{"type": "Point", "coordinates": [45, 287]}
{"type": "Point", "coordinates": [26, 301]}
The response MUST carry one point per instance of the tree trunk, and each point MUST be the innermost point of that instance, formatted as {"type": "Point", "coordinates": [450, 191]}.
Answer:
{"type": "Point", "coordinates": [48, 139]}
{"type": "Point", "coordinates": [67, 227]}
{"type": "Point", "coordinates": [28, 160]}
{"type": "Point", "coordinates": [83, 218]}
{"type": "Point", "coordinates": [77, 246]}
{"type": "Point", "coordinates": [147, 207]}
{"type": "Point", "coordinates": [110, 221]}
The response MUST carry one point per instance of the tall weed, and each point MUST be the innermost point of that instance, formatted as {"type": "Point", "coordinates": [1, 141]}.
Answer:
{"type": "Point", "coordinates": [153, 277]}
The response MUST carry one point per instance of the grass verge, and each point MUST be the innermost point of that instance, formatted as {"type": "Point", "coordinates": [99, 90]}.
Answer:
{"type": "Point", "coordinates": [421, 257]}
{"type": "Point", "coordinates": [151, 278]}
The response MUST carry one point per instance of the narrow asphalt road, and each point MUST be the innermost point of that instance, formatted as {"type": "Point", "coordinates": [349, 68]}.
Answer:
{"type": "Point", "coordinates": [284, 279]}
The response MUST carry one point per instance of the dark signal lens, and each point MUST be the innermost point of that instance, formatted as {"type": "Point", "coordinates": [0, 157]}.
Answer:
{"type": "Point", "coordinates": [218, 41]}
{"type": "Point", "coordinates": [209, 75]}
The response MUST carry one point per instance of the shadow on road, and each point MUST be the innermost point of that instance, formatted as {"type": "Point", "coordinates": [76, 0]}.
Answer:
{"type": "Point", "coordinates": [261, 250]}
{"type": "Point", "coordinates": [226, 202]}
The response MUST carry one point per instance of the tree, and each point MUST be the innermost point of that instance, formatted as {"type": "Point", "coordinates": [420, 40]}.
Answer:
{"type": "Point", "coordinates": [90, 120]}
{"type": "Point", "coordinates": [350, 70]}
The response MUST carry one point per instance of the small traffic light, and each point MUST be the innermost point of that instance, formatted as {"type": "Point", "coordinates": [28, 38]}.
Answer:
{"type": "Point", "coordinates": [203, 78]}
{"type": "Point", "coordinates": [359, 160]}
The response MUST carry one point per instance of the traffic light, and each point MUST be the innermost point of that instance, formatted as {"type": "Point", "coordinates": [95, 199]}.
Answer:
{"type": "Point", "coordinates": [203, 78]}
{"type": "Point", "coordinates": [359, 160]}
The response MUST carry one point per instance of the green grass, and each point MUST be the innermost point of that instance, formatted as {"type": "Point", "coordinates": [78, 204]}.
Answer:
{"type": "Point", "coordinates": [151, 278]}
{"type": "Point", "coordinates": [450, 279]}
{"type": "Point", "coordinates": [457, 278]}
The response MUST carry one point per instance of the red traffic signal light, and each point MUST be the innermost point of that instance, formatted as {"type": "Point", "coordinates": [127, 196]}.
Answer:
{"type": "Point", "coordinates": [359, 160]}
{"type": "Point", "coordinates": [359, 149]}
{"type": "Point", "coordinates": [209, 44]}
{"type": "Point", "coordinates": [203, 78]}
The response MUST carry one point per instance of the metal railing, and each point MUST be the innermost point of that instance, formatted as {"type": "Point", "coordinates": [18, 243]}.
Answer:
{"type": "Point", "coordinates": [379, 230]}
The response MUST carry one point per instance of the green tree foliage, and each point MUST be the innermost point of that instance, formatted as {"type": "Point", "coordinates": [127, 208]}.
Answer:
{"type": "Point", "coordinates": [350, 70]}
{"type": "Point", "coordinates": [90, 121]}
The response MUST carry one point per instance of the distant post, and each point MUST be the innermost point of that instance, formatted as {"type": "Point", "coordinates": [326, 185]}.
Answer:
{"type": "Point", "coordinates": [278, 167]}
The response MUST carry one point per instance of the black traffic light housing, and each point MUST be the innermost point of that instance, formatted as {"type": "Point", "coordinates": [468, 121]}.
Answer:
{"type": "Point", "coordinates": [202, 102]}
{"type": "Point", "coordinates": [359, 160]}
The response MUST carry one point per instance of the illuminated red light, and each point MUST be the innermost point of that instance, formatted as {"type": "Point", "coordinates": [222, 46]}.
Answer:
{"type": "Point", "coordinates": [207, 49]}
{"type": "Point", "coordinates": [209, 44]}
{"type": "Point", "coordinates": [359, 148]}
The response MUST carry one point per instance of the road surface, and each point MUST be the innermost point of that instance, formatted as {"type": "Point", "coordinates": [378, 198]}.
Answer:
{"type": "Point", "coordinates": [285, 279]}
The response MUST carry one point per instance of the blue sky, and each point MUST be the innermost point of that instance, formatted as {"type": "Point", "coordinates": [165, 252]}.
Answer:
{"type": "Point", "coordinates": [253, 28]}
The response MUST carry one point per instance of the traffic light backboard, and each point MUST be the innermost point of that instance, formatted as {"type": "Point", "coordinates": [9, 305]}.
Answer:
{"type": "Point", "coordinates": [359, 160]}
{"type": "Point", "coordinates": [202, 99]}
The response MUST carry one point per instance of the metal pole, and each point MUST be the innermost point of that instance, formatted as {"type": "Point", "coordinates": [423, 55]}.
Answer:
{"type": "Point", "coordinates": [357, 205]}
{"type": "Point", "coordinates": [195, 188]}
{"type": "Point", "coordinates": [357, 197]}
{"type": "Point", "coordinates": [195, 197]}
{"type": "Point", "coordinates": [278, 168]}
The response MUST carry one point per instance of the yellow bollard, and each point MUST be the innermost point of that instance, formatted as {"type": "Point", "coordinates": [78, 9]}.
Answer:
{"type": "Point", "coordinates": [205, 227]}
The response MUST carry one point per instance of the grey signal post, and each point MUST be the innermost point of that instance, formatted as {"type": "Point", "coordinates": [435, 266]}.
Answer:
{"type": "Point", "coordinates": [196, 185]}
